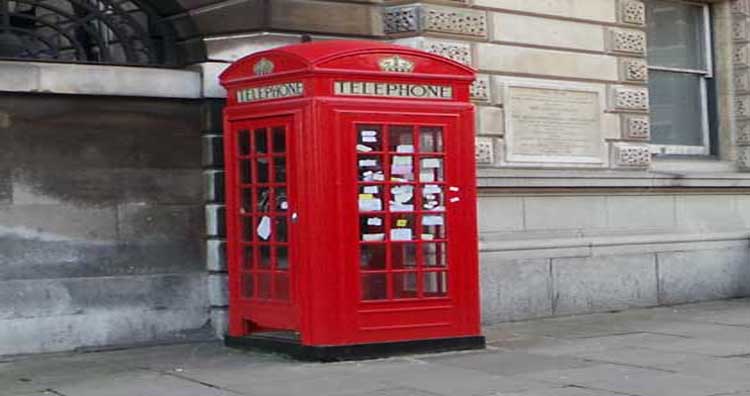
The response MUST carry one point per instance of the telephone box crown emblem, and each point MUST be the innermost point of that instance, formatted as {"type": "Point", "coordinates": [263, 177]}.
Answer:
{"type": "Point", "coordinates": [396, 64]}
{"type": "Point", "coordinates": [263, 67]}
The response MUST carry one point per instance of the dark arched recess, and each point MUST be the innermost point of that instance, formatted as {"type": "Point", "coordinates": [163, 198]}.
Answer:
{"type": "Point", "coordinates": [129, 32]}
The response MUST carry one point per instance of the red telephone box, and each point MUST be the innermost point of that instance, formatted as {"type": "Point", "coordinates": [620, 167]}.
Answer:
{"type": "Point", "coordinates": [351, 202]}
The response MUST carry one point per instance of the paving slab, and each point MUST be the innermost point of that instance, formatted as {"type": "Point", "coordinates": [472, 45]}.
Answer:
{"type": "Point", "coordinates": [690, 350]}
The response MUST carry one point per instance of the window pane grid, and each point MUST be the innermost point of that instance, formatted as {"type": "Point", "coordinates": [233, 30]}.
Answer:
{"type": "Point", "coordinates": [399, 187]}
{"type": "Point", "coordinates": [263, 217]}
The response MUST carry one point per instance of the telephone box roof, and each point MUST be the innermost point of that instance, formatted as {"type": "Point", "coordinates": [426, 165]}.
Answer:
{"type": "Point", "coordinates": [342, 56]}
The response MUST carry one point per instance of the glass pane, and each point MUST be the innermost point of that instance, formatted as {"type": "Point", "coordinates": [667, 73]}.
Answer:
{"type": "Point", "coordinates": [402, 198]}
{"type": "Point", "coordinates": [246, 200]}
{"type": "Point", "coordinates": [281, 290]}
{"type": "Point", "coordinates": [245, 172]}
{"type": "Point", "coordinates": [248, 285]}
{"type": "Point", "coordinates": [402, 168]}
{"type": "Point", "coordinates": [403, 255]}
{"type": "Point", "coordinates": [405, 285]}
{"type": "Point", "coordinates": [247, 257]}
{"type": "Point", "coordinates": [265, 257]}
{"type": "Point", "coordinates": [430, 170]}
{"type": "Point", "coordinates": [371, 228]}
{"type": "Point", "coordinates": [262, 169]}
{"type": "Point", "coordinates": [264, 197]}
{"type": "Point", "coordinates": [676, 109]}
{"type": "Point", "coordinates": [370, 199]}
{"type": "Point", "coordinates": [248, 228]}
{"type": "Point", "coordinates": [372, 257]}
{"type": "Point", "coordinates": [261, 141]}
{"type": "Point", "coordinates": [264, 285]}
{"type": "Point", "coordinates": [401, 139]}
{"type": "Point", "coordinates": [435, 284]}
{"type": "Point", "coordinates": [282, 258]}
{"type": "Point", "coordinates": [280, 229]}
{"type": "Point", "coordinates": [374, 286]}
{"type": "Point", "coordinates": [370, 168]}
{"type": "Point", "coordinates": [280, 197]}
{"type": "Point", "coordinates": [434, 254]}
{"type": "Point", "coordinates": [402, 227]}
{"type": "Point", "coordinates": [243, 142]}
{"type": "Point", "coordinates": [279, 141]}
{"type": "Point", "coordinates": [430, 139]}
{"type": "Point", "coordinates": [279, 169]}
{"type": "Point", "coordinates": [675, 35]}
{"type": "Point", "coordinates": [432, 198]}
{"type": "Point", "coordinates": [369, 138]}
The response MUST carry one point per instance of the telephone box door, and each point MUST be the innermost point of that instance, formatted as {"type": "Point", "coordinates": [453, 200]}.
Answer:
{"type": "Point", "coordinates": [260, 225]}
{"type": "Point", "coordinates": [416, 231]}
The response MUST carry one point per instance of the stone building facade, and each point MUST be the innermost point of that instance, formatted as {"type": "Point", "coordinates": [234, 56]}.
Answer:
{"type": "Point", "coordinates": [612, 140]}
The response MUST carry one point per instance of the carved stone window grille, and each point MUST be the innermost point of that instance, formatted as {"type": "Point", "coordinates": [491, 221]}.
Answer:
{"type": "Point", "coordinates": [87, 31]}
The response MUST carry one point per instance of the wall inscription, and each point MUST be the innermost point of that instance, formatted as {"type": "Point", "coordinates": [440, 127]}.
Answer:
{"type": "Point", "coordinates": [553, 125]}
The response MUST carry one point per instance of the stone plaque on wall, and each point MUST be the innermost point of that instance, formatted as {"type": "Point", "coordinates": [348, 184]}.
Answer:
{"type": "Point", "coordinates": [553, 125]}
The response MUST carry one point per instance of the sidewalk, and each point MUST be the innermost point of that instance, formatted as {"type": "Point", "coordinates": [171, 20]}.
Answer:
{"type": "Point", "coordinates": [699, 349]}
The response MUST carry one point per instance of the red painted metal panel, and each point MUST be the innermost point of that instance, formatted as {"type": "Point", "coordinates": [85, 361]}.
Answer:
{"type": "Point", "coordinates": [380, 239]}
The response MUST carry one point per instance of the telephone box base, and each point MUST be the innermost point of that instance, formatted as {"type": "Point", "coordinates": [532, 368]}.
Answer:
{"type": "Point", "coordinates": [333, 353]}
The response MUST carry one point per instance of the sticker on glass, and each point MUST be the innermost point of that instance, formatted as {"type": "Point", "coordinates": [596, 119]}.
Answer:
{"type": "Point", "coordinates": [264, 227]}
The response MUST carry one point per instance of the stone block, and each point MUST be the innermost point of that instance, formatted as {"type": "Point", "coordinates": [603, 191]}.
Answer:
{"type": "Point", "coordinates": [432, 18]}
{"type": "Point", "coordinates": [558, 213]}
{"type": "Point", "coordinates": [326, 17]}
{"type": "Point", "coordinates": [484, 151]}
{"type": "Point", "coordinates": [597, 10]}
{"type": "Point", "coordinates": [232, 48]}
{"type": "Point", "coordinates": [708, 212]}
{"type": "Point", "coordinates": [547, 32]}
{"type": "Point", "coordinates": [545, 63]}
{"type": "Point", "coordinates": [216, 255]}
{"type": "Point", "coordinates": [220, 321]}
{"type": "Point", "coordinates": [213, 151]}
{"type": "Point", "coordinates": [213, 185]}
{"type": "Point", "coordinates": [102, 132]}
{"type": "Point", "coordinates": [633, 156]}
{"type": "Point", "coordinates": [100, 327]}
{"type": "Point", "coordinates": [456, 50]}
{"type": "Point", "coordinates": [627, 41]}
{"type": "Point", "coordinates": [160, 222]}
{"type": "Point", "coordinates": [210, 72]}
{"type": "Point", "coordinates": [490, 121]}
{"type": "Point", "coordinates": [218, 290]}
{"type": "Point", "coordinates": [515, 289]}
{"type": "Point", "coordinates": [499, 214]}
{"type": "Point", "coordinates": [231, 16]}
{"type": "Point", "coordinates": [106, 186]}
{"type": "Point", "coordinates": [58, 222]}
{"type": "Point", "coordinates": [37, 298]}
{"type": "Point", "coordinates": [640, 212]}
{"type": "Point", "coordinates": [480, 88]}
{"type": "Point", "coordinates": [603, 283]}
{"type": "Point", "coordinates": [6, 185]}
{"type": "Point", "coordinates": [215, 220]}
{"type": "Point", "coordinates": [35, 258]}
{"type": "Point", "coordinates": [118, 81]}
{"type": "Point", "coordinates": [632, 12]}
{"type": "Point", "coordinates": [703, 275]}
{"type": "Point", "coordinates": [19, 77]}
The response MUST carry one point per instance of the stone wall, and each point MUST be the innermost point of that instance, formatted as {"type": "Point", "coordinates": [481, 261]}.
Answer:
{"type": "Point", "coordinates": [101, 222]}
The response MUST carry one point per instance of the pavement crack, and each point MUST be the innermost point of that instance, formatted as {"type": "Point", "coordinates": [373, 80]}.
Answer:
{"type": "Point", "coordinates": [199, 382]}
{"type": "Point", "coordinates": [631, 365]}
{"type": "Point", "coordinates": [54, 392]}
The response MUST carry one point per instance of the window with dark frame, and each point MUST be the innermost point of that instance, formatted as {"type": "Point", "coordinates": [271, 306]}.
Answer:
{"type": "Point", "coordinates": [680, 73]}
